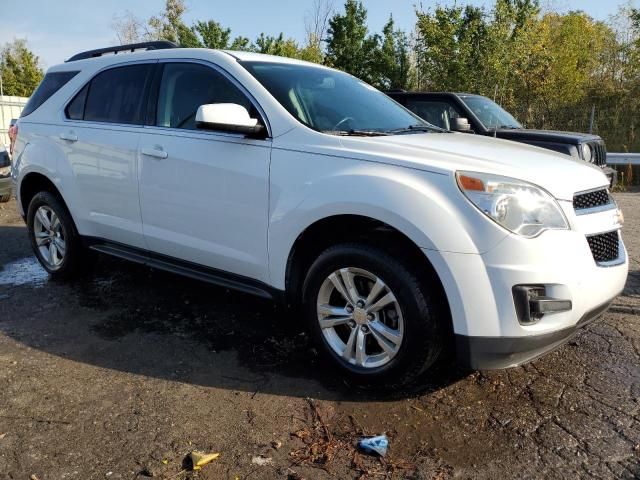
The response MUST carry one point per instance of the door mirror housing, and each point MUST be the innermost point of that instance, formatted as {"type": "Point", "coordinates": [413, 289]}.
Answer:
{"type": "Point", "coordinates": [461, 125]}
{"type": "Point", "coordinates": [228, 117]}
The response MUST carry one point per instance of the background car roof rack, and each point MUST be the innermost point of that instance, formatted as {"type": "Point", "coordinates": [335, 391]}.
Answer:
{"type": "Point", "coordinates": [156, 45]}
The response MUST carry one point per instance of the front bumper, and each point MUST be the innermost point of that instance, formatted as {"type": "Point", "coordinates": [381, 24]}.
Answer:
{"type": "Point", "coordinates": [492, 353]}
{"type": "Point", "coordinates": [612, 175]}
{"type": "Point", "coordinates": [6, 185]}
{"type": "Point", "coordinates": [480, 290]}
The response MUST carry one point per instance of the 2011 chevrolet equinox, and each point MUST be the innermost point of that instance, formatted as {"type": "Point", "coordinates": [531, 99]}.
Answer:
{"type": "Point", "coordinates": [294, 181]}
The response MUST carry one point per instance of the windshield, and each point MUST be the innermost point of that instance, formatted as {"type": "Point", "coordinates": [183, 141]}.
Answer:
{"type": "Point", "coordinates": [490, 113]}
{"type": "Point", "coordinates": [334, 102]}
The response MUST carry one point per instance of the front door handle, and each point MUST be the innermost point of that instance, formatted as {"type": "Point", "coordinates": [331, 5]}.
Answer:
{"type": "Point", "coordinates": [69, 137]}
{"type": "Point", "coordinates": [154, 152]}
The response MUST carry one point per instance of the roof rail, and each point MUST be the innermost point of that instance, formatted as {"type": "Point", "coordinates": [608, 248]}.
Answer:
{"type": "Point", "coordinates": [157, 45]}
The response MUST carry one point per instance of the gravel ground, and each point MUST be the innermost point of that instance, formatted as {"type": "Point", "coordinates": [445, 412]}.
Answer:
{"type": "Point", "coordinates": [120, 376]}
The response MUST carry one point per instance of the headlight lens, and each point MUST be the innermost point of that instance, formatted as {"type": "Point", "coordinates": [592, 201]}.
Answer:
{"type": "Point", "coordinates": [518, 206]}
{"type": "Point", "coordinates": [587, 153]}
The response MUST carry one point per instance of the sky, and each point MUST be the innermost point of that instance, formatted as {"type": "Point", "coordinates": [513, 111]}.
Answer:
{"type": "Point", "coordinates": [55, 30]}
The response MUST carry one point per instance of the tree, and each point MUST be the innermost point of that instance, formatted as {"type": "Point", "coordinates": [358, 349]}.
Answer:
{"type": "Point", "coordinates": [276, 46]}
{"type": "Point", "coordinates": [213, 35]}
{"type": "Point", "coordinates": [452, 46]}
{"type": "Point", "coordinates": [19, 69]}
{"type": "Point", "coordinates": [349, 46]}
{"type": "Point", "coordinates": [394, 65]}
{"type": "Point", "coordinates": [316, 22]}
{"type": "Point", "coordinates": [129, 28]}
{"type": "Point", "coordinates": [169, 25]}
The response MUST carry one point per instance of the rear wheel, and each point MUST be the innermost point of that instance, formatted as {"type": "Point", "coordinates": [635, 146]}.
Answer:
{"type": "Point", "coordinates": [5, 198]}
{"type": "Point", "coordinates": [54, 238]}
{"type": "Point", "coordinates": [372, 314]}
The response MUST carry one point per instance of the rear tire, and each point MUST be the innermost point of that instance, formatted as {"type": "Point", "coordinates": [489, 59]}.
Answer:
{"type": "Point", "coordinates": [5, 198]}
{"type": "Point", "coordinates": [373, 315]}
{"type": "Point", "coordinates": [54, 238]}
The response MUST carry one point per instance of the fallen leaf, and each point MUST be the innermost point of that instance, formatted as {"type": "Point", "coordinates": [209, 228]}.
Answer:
{"type": "Point", "coordinates": [199, 459]}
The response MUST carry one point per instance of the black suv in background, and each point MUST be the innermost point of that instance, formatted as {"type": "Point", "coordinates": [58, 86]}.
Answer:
{"type": "Point", "coordinates": [468, 113]}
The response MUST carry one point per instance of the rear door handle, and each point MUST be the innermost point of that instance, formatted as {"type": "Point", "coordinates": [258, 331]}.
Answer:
{"type": "Point", "coordinates": [69, 137]}
{"type": "Point", "coordinates": [154, 152]}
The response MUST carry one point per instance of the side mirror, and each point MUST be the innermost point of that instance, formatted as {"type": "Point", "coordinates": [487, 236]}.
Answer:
{"type": "Point", "coordinates": [460, 125]}
{"type": "Point", "coordinates": [227, 117]}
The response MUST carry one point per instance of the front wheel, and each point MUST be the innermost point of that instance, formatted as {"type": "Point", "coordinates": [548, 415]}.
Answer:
{"type": "Point", "coordinates": [372, 314]}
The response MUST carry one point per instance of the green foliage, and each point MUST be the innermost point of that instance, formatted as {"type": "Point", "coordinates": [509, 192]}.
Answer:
{"type": "Point", "coordinates": [452, 46]}
{"type": "Point", "coordinates": [276, 46]}
{"type": "Point", "coordinates": [549, 69]}
{"type": "Point", "coordinates": [394, 65]}
{"type": "Point", "coordinates": [169, 25]}
{"type": "Point", "coordinates": [212, 35]}
{"type": "Point", "coordinates": [19, 69]}
{"type": "Point", "coordinates": [349, 45]}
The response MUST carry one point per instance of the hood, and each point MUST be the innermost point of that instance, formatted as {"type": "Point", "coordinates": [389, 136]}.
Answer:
{"type": "Point", "coordinates": [522, 134]}
{"type": "Point", "coordinates": [559, 174]}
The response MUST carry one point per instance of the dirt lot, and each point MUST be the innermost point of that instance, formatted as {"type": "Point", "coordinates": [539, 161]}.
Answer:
{"type": "Point", "coordinates": [122, 375]}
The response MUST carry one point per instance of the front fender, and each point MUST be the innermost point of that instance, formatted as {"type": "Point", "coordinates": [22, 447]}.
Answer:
{"type": "Point", "coordinates": [426, 207]}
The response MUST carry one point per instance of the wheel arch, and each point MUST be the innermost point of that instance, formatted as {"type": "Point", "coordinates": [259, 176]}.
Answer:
{"type": "Point", "coordinates": [31, 184]}
{"type": "Point", "coordinates": [344, 228]}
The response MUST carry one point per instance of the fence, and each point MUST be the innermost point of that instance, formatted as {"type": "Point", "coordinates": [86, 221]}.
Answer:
{"type": "Point", "coordinates": [10, 107]}
{"type": "Point", "coordinates": [627, 165]}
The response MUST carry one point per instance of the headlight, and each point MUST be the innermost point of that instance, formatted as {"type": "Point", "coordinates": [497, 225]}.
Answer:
{"type": "Point", "coordinates": [587, 153]}
{"type": "Point", "coordinates": [518, 206]}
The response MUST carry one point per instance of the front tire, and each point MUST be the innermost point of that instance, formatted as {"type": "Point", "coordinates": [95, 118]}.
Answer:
{"type": "Point", "coordinates": [54, 238]}
{"type": "Point", "coordinates": [373, 315]}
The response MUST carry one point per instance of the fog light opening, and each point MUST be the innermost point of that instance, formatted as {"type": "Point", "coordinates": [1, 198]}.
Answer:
{"type": "Point", "coordinates": [532, 303]}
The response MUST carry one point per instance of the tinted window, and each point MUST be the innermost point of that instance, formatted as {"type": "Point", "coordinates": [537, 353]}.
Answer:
{"type": "Point", "coordinates": [331, 101]}
{"type": "Point", "coordinates": [51, 83]}
{"type": "Point", "coordinates": [75, 109]}
{"type": "Point", "coordinates": [116, 95]}
{"type": "Point", "coordinates": [490, 113]}
{"type": "Point", "coordinates": [187, 86]}
{"type": "Point", "coordinates": [436, 112]}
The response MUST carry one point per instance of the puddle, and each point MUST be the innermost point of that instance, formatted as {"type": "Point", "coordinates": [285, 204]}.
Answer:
{"type": "Point", "coordinates": [26, 271]}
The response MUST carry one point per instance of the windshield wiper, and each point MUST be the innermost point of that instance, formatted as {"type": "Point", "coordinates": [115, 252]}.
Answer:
{"type": "Point", "coordinates": [508, 127]}
{"type": "Point", "coordinates": [356, 133]}
{"type": "Point", "coordinates": [418, 128]}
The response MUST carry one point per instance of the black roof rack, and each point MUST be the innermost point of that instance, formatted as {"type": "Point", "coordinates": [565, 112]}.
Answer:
{"type": "Point", "coordinates": [157, 45]}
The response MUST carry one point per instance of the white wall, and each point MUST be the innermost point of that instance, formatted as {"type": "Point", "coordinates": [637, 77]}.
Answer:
{"type": "Point", "coordinates": [10, 107]}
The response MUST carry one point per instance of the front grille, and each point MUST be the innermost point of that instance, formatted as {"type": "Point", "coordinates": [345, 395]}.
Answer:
{"type": "Point", "coordinates": [597, 198]}
{"type": "Point", "coordinates": [604, 247]}
{"type": "Point", "coordinates": [599, 153]}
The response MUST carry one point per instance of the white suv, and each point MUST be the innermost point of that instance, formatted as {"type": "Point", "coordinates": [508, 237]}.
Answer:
{"type": "Point", "coordinates": [297, 182]}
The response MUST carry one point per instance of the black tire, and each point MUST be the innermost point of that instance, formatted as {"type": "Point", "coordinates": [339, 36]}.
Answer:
{"type": "Point", "coordinates": [77, 259]}
{"type": "Point", "coordinates": [425, 325]}
{"type": "Point", "coordinates": [5, 198]}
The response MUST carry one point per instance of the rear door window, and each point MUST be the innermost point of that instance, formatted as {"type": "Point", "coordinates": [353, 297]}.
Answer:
{"type": "Point", "coordinates": [113, 96]}
{"type": "Point", "coordinates": [51, 83]}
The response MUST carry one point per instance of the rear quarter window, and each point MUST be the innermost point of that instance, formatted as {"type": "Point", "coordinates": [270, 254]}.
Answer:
{"type": "Point", "coordinates": [51, 83]}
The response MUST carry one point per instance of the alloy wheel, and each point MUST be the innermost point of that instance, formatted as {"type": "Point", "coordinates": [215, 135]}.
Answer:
{"type": "Point", "coordinates": [49, 237]}
{"type": "Point", "coordinates": [360, 318]}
